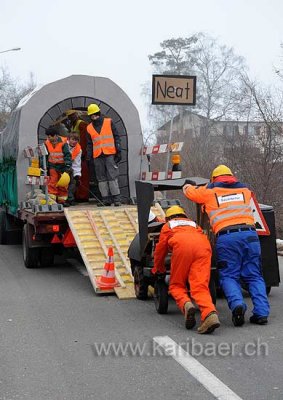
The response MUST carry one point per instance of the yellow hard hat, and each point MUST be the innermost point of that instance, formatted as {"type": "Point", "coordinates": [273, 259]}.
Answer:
{"type": "Point", "coordinates": [70, 112]}
{"type": "Point", "coordinates": [92, 109]}
{"type": "Point", "coordinates": [64, 180]}
{"type": "Point", "coordinates": [221, 170]}
{"type": "Point", "coordinates": [174, 210]}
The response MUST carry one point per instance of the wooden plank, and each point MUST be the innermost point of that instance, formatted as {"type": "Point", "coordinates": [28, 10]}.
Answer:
{"type": "Point", "coordinates": [123, 258]}
{"type": "Point", "coordinates": [131, 219]}
{"type": "Point", "coordinates": [94, 231]}
{"type": "Point", "coordinates": [125, 293]}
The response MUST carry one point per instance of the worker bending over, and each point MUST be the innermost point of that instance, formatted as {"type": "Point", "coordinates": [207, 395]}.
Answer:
{"type": "Point", "coordinates": [227, 204]}
{"type": "Point", "coordinates": [190, 263]}
{"type": "Point", "coordinates": [59, 161]}
{"type": "Point", "coordinates": [106, 152]}
{"type": "Point", "coordinates": [76, 154]}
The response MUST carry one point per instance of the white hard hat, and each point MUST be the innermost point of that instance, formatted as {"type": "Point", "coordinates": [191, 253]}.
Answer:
{"type": "Point", "coordinates": [151, 216]}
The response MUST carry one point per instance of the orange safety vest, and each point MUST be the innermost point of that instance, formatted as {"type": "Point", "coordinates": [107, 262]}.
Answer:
{"type": "Point", "coordinates": [224, 206]}
{"type": "Point", "coordinates": [75, 150]}
{"type": "Point", "coordinates": [231, 207]}
{"type": "Point", "coordinates": [103, 142]}
{"type": "Point", "coordinates": [56, 155]}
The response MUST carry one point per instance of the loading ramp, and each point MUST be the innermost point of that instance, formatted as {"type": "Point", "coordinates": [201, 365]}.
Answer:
{"type": "Point", "coordinates": [94, 230]}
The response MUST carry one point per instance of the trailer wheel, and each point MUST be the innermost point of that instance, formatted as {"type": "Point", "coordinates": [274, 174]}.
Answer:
{"type": "Point", "coordinates": [3, 227]}
{"type": "Point", "coordinates": [140, 283]}
{"type": "Point", "coordinates": [161, 297]}
{"type": "Point", "coordinates": [46, 257]}
{"type": "Point", "coordinates": [212, 289]}
{"type": "Point", "coordinates": [30, 254]}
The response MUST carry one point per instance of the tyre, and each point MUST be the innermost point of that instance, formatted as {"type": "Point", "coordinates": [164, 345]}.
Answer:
{"type": "Point", "coordinates": [161, 297]}
{"type": "Point", "coordinates": [3, 227]}
{"type": "Point", "coordinates": [140, 283]}
{"type": "Point", "coordinates": [212, 289]}
{"type": "Point", "coordinates": [30, 254]}
{"type": "Point", "coordinates": [46, 257]}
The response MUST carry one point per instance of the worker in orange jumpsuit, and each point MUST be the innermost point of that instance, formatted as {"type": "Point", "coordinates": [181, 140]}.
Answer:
{"type": "Point", "coordinates": [190, 263]}
{"type": "Point", "coordinates": [59, 161]}
{"type": "Point", "coordinates": [80, 126]}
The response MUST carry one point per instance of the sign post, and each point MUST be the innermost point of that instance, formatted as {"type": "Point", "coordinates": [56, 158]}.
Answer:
{"type": "Point", "coordinates": [173, 90]}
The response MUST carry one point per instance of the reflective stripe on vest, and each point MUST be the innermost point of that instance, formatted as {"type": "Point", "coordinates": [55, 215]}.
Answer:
{"type": "Point", "coordinates": [229, 213]}
{"type": "Point", "coordinates": [56, 155]}
{"type": "Point", "coordinates": [103, 142]}
{"type": "Point", "coordinates": [181, 222]}
{"type": "Point", "coordinates": [75, 150]}
{"type": "Point", "coordinates": [76, 128]}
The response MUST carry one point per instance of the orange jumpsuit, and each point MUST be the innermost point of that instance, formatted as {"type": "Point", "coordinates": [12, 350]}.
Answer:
{"type": "Point", "coordinates": [190, 262]}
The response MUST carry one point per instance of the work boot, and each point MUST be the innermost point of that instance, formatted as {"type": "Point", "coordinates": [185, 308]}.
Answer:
{"type": "Point", "coordinates": [105, 201]}
{"type": "Point", "coordinates": [258, 320]}
{"type": "Point", "coordinates": [190, 311]}
{"type": "Point", "coordinates": [238, 316]}
{"type": "Point", "coordinates": [72, 202]}
{"type": "Point", "coordinates": [117, 201]}
{"type": "Point", "coordinates": [210, 323]}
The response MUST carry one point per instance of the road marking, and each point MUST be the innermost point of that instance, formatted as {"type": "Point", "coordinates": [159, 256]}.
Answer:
{"type": "Point", "coordinates": [196, 369]}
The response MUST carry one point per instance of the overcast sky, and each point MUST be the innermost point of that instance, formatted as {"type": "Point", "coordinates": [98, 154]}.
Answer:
{"type": "Point", "coordinates": [113, 38]}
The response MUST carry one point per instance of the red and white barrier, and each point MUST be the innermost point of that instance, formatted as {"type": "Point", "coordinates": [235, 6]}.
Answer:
{"type": "Point", "coordinates": [162, 148]}
{"type": "Point", "coordinates": [160, 176]}
{"type": "Point", "coordinates": [31, 152]}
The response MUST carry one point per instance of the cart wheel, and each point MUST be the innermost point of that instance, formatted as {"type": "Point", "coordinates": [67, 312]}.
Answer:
{"type": "Point", "coordinates": [30, 254]}
{"type": "Point", "coordinates": [140, 283]}
{"type": "Point", "coordinates": [268, 290]}
{"type": "Point", "coordinates": [46, 257]}
{"type": "Point", "coordinates": [161, 297]}
{"type": "Point", "coordinates": [212, 289]}
{"type": "Point", "coordinates": [3, 227]}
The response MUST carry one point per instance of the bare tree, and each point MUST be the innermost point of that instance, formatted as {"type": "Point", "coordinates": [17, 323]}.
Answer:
{"type": "Point", "coordinates": [256, 155]}
{"type": "Point", "coordinates": [220, 94]}
{"type": "Point", "coordinates": [11, 92]}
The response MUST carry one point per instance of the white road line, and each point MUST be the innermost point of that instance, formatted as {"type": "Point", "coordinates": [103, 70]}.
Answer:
{"type": "Point", "coordinates": [196, 369]}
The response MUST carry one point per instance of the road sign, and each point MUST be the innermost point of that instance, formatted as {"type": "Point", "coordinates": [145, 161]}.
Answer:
{"type": "Point", "coordinates": [260, 223]}
{"type": "Point", "coordinates": [163, 148]}
{"type": "Point", "coordinates": [174, 89]}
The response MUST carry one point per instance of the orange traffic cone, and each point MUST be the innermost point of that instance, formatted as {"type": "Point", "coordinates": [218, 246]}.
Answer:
{"type": "Point", "coordinates": [107, 280]}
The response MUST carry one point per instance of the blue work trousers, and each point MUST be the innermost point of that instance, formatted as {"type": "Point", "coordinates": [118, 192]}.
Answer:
{"type": "Point", "coordinates": [239, 258]}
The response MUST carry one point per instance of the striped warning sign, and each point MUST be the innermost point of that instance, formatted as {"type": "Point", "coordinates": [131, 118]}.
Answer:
{"type": "Point", "coordinates": [162, 148]}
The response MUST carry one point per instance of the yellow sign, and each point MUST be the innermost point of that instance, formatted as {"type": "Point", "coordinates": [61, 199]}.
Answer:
{"type": "Point", "coordinates": [174, 89]}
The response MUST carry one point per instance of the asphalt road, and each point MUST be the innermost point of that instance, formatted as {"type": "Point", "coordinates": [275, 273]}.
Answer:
{"type": "Point", "coordinates": [52, 324]}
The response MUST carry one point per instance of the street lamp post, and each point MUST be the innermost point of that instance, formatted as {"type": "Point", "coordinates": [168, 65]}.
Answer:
{"type": "Point", "coordinates": [15, 49]}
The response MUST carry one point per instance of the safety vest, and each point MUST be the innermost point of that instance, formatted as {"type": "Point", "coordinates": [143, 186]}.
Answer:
{"type": "Point", "coordinates": [174, 223]}
{"type": "Point", "coordinates": [75, 150]}
{"type": "Point", "coordinates": [76, 127]}
{"type": "Point", "coordinates": [56, 155]}
{"type": "Point", "coordinates": [229, 207]}
{"type": "Point", "coordinates": [103, 142]}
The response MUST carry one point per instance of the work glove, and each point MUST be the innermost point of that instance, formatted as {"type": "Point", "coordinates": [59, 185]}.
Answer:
{"type": "Point", "coordinates": [156, 276]}
{"type": "Point", "coordinates": [118, 157]}
{"type": "Point", "coordinates": [78, 180]}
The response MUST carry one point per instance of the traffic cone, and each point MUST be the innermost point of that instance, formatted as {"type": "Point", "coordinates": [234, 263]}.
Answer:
{"type": "Point", "coordinates": [107, 280]}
